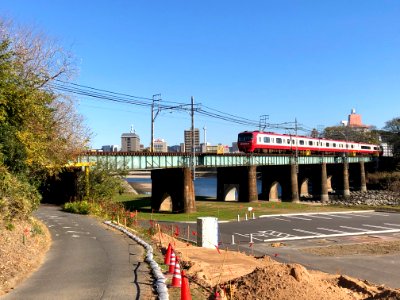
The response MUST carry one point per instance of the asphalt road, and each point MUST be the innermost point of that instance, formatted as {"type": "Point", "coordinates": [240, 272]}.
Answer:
{"type": "Point", "coordinates": [87, 260]}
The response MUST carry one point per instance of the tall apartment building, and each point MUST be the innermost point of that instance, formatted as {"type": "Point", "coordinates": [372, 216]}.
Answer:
{"type": "Point", "coordinates": [130, 142]}
{"type": "Point", "coordinates": [188, 140]}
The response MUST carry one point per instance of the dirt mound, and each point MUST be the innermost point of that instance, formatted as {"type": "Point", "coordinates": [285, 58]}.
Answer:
{"type": "Point", "coordinates": [239, 276]}
{"type": "Point", "coordinates": [286, 281]}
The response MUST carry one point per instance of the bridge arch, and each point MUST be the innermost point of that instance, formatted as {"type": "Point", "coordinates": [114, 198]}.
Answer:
{"type": "Point", "coordinates": [305, 188]}
{"type": "Point", "coordinates": [166, 203]}
{"type": "Point", "coordinates": [231, 192]}
{"type": "Point", "coordinates": [274, 191]}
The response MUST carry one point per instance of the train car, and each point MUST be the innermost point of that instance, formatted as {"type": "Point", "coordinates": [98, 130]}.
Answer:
{"type": "Point", "coordinates": [270, 142]}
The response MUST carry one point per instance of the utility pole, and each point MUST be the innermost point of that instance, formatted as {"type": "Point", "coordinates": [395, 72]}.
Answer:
{"type": "Point", "coordinates": [205, 138]}
{"type": "Point", "coordinates": [193, 147]}
{"type": "Point", "coordinates": [297, 150]}
{"type": "Point", "coordinates": [153, 119]}
{"type": "Point", "coordinates": [263, 122]}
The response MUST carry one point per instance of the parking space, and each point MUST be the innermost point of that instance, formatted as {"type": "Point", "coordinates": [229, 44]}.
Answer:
{"type": "Point", "coordinates": [274, 228]}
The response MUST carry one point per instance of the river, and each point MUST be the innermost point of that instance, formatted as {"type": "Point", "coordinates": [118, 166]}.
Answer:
{"type": "Point", "coordinates": [203, 186]}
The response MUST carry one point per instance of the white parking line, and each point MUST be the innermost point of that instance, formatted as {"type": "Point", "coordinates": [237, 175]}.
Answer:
{"type": "Point", "coordinates": [299, 218]}
{"type": "Point", "coordinates": [319, 217]}
{"type": "Point", "coordinates": [374, 226]}
{"type": "Point", "coordinates": [295, 238]}
{"type": "Point", "coordinates": [381, 214]}
{"type": "Point", "coordinates": [247, 235]}
{"type": "Point", "coordinates": [362, 216]}
{"type": "Point", "coordinates": [391, 224]}
{"type": "Point", "coordinates": [353, 228]}
{"type": "Point", "coordinates": [305, 231]}
{"type": "Point", "coordinates": [341, 216]}
{"type": "Point", "coordinates": [280, 219]}
{"type": "Point", "coordinates": [332, 230]}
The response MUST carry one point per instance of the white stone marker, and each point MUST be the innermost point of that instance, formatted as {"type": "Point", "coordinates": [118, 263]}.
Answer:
{"type": "Point", "coordinates": [207, 232]}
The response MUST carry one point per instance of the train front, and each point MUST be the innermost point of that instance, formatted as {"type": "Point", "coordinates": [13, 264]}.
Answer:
{"type": "Point", "coordinates": [246, 141]}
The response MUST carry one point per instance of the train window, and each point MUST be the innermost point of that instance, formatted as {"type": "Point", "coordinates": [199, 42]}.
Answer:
{"type": "Point", "coordinates": [301, 142]}
{"type": "Point", "coordinates": [259, 139]}
{"type": "Point", "coordinates": [327, 144]}
{"type": "Point", "coordinates": [366, 147]}
{"type": "Point", "coordinates": [334, 145]}
{"type": "Point", "coordinates": [246, 137]}
{"type": "Point", "coordinates": [376, 148]}
{"type": "Point", "coordinates": [352, 146]}
{"type": "Point", "coordinates": [267, 139]}
{"type": "Point", "coordinates": [288, 141]}
{"type": "Point", "coordinates": [278, 140]}
{"type": "Point", "coordinates": [310, 143]}
{"type": "Point", "coordinates": [293, 141]}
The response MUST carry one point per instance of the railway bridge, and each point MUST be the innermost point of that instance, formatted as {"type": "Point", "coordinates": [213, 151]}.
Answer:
{"type": "Point", "coordinates": [172, 175]}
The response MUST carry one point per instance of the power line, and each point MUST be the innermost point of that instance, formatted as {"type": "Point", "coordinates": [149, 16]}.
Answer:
{"type": "Point", "coordinates": [103, 94]}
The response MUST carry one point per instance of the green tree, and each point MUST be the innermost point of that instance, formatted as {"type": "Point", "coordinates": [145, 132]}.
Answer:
{"type": "Point", "coordinates": [45, 130]}
{"type": "Point", "coordinates": [40, 130]}
{"type": "Point", "coordinates": [391, 135]}
{"type": "Point", "coordinates": [353, 134]}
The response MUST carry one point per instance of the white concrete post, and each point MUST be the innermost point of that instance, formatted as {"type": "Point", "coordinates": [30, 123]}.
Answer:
{"type": "Point", "coordinates": [207, 232]}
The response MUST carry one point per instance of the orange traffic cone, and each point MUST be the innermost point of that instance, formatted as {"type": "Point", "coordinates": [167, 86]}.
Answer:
{"type": "Point", "coordinates": [177, 279]}
{"type": "Point", "coordinates": [167, 258]}
{"type": "Point", "coordinates": [172, 263]}
{"type": "Point", "coordinates": [185, 289]}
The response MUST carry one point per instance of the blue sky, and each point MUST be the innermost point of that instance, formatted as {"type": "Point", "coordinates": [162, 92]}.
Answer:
{"type": "Point", "coordinates": [307, 60]}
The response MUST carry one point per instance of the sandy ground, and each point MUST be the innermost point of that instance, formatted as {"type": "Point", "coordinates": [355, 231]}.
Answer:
{"type": "Point", "coordinates": [240, 276]}
{"type": "Point", "coordinates": [140, 188]}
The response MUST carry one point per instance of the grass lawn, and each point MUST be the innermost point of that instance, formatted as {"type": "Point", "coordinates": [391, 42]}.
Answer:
{"type": "Point", "coordinates": [206, 207]}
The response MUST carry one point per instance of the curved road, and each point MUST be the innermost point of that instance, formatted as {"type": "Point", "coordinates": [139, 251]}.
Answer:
{"type": "Point", "coordinates": [87, 260]}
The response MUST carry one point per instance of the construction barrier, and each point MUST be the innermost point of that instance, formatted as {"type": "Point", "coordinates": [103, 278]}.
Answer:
{"type": "Point", "coordinates": [176, 278]}
{"type": "Point", "coordinates": [167, 258]}
{"type": "Point", "coordinates": [172, 263]}
{"type": "Point", "coordinates": [185, 288]}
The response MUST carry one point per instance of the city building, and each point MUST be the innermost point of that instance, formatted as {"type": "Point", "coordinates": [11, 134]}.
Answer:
{"type": "Point", "coordinates": [110, 148]}
{"type": "Point", "coordinates": [130, 142]}
{"type": "Point", "coordinates": [175, 148]}
{"type": "Point", "coordinates": [188, 140]}
{"type": "Point", "coordinates": [160, 145]}
{"type": "Point", "coordinates": [234, 147]}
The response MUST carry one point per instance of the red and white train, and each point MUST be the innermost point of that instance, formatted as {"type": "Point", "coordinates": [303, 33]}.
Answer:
{"type": "Point", "coordinates": [270, 142]}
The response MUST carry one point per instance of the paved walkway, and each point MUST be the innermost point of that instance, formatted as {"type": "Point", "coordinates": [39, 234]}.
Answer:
{"type": "Point", "coordinates": [87, 260]}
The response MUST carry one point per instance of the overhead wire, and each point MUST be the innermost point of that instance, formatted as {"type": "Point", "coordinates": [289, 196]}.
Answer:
{"type": "Point", "coordinates": [102, 94]}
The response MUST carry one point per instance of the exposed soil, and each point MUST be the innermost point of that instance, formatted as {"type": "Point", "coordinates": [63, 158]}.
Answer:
{"type": "Point", "coordinates": [239, 276]}
{"type": "Point", "coordinates": [22, 249]}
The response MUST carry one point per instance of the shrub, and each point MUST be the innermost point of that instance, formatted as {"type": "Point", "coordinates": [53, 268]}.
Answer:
{"type": "Point", "coordinates": [385, 181]}
{"type": "Point", "coordinates": [18, 198]}
{"type": "Point", "coordinates": [78, 207]}
{"type": "Point", "coordinates": [102, 183]}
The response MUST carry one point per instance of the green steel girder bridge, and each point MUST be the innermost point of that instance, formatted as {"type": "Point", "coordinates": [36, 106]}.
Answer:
{"type": "Point", "coordinates": [172, 175]}
{"type": "Point", "coordinates": [150, 161]}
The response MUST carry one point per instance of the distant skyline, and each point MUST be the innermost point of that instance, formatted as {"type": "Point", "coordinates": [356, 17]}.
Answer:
{"type": "Point", "coordinates": [313, 61]}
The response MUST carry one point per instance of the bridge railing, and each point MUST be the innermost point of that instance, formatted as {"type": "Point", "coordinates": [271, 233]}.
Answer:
{"type": "Point", "coordinates": [149, 161]}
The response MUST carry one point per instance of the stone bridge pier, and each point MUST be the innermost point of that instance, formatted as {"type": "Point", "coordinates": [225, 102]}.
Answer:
{"type": "Point", "coordinates": [241, 179]}
{"type": "Point", "coordinates": [172, 190]}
